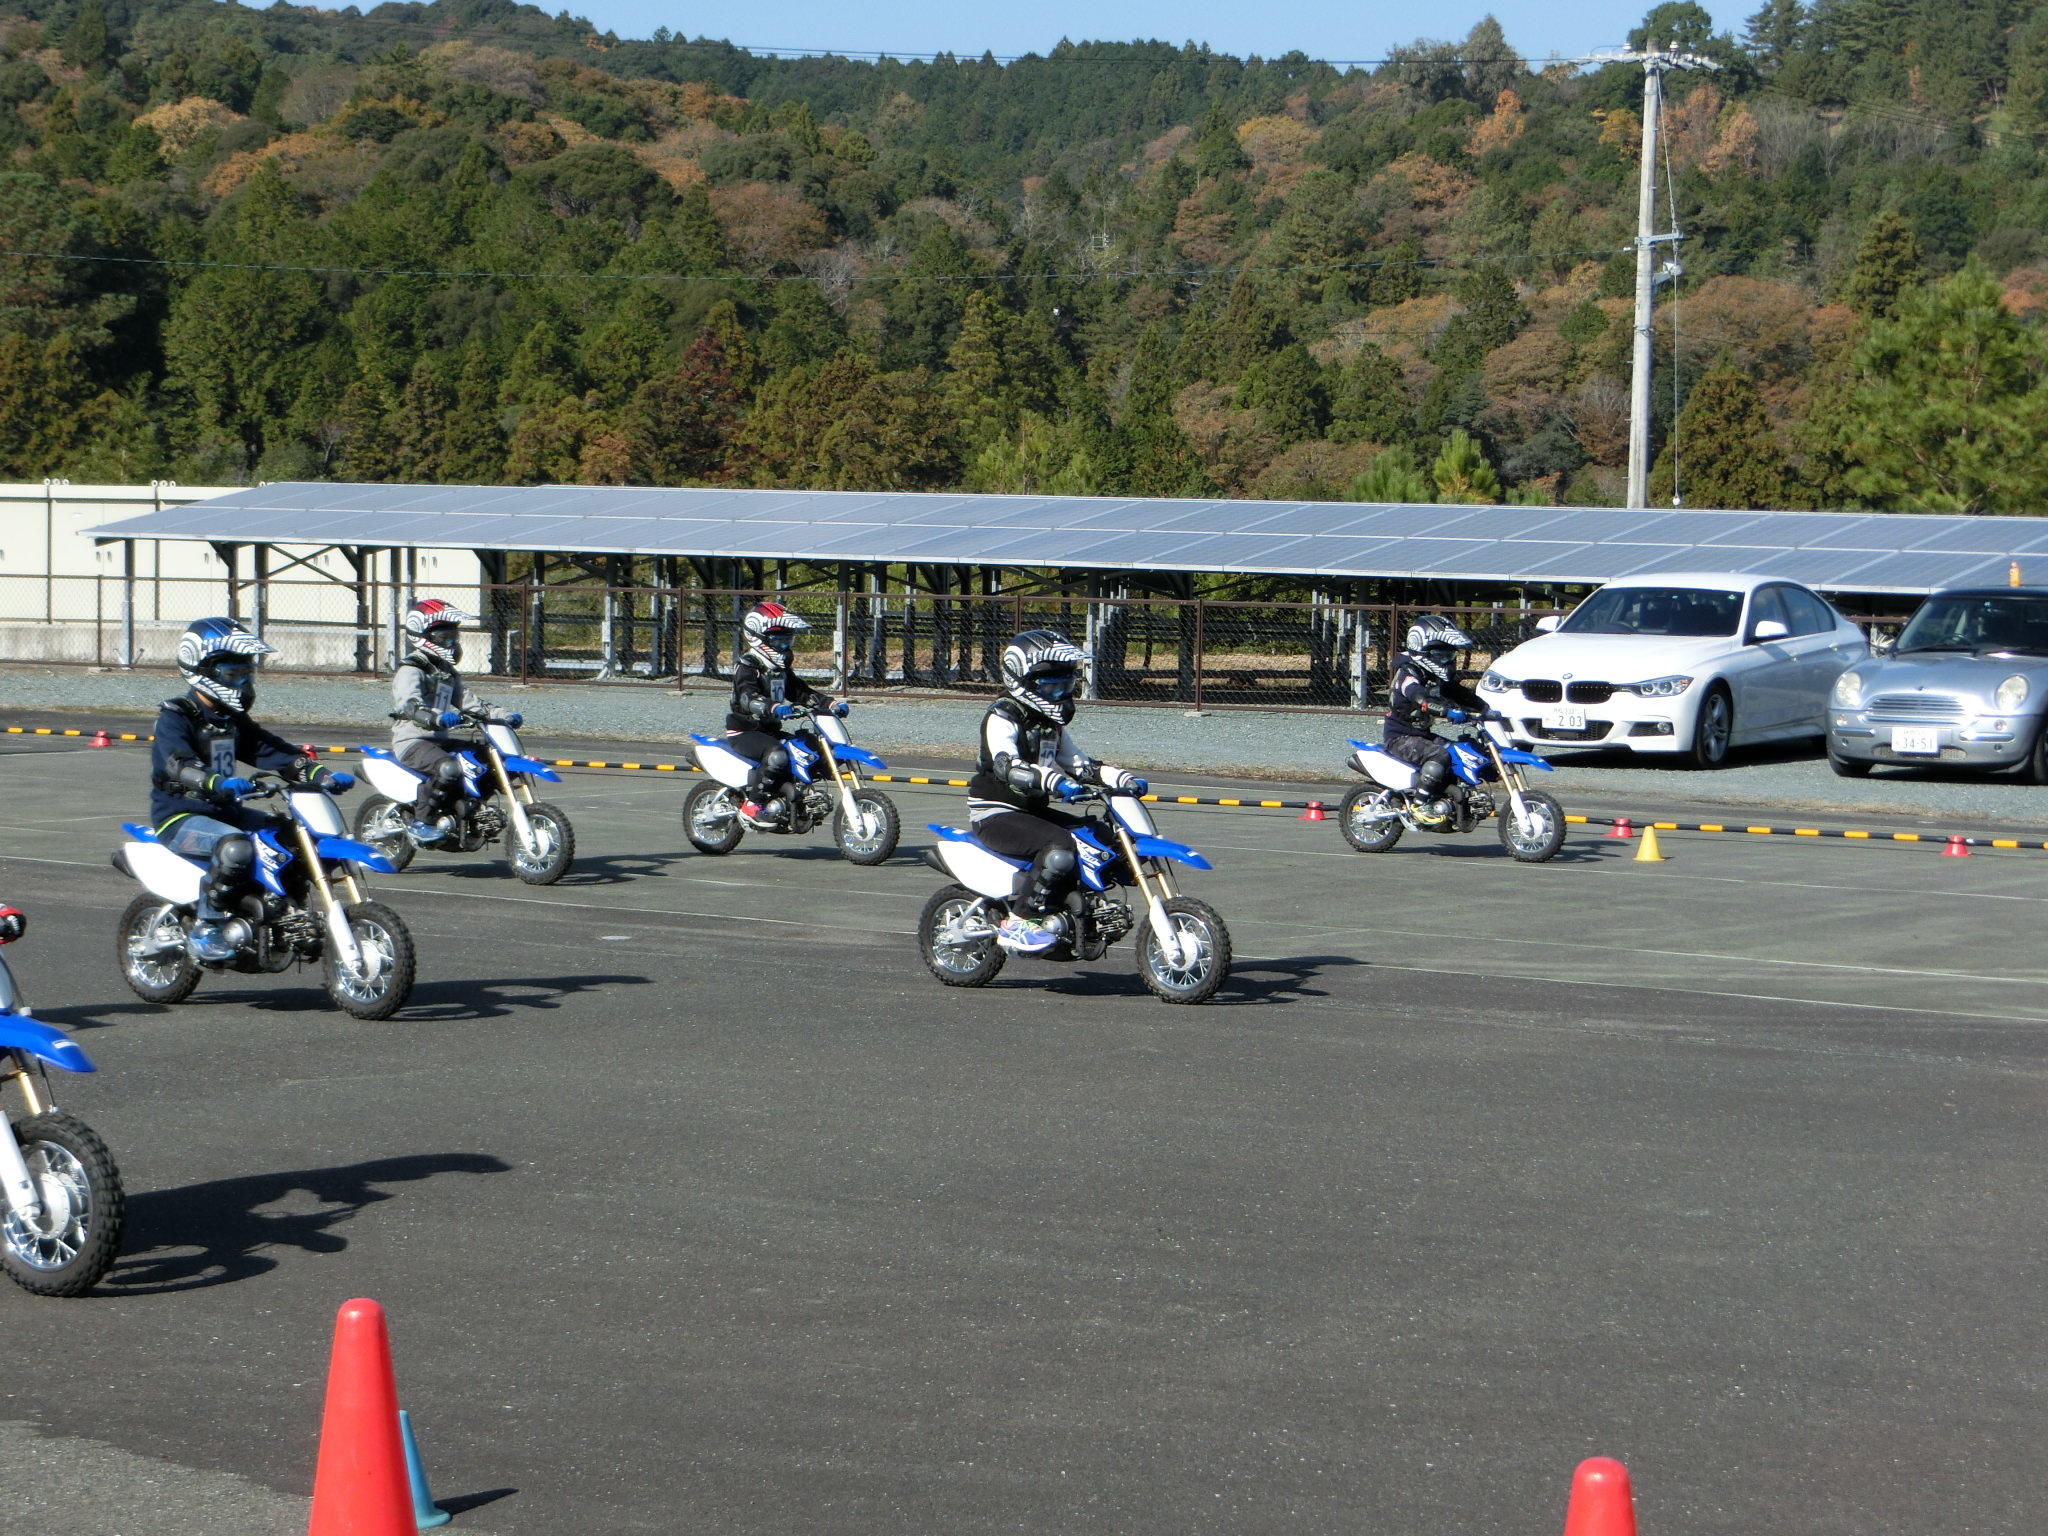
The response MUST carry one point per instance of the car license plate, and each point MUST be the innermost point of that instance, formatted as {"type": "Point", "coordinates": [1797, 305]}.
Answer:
{"type": "Point", "coordinates": [1924, 740]}
{"type": "Point", "coordinates": [1564, 719]}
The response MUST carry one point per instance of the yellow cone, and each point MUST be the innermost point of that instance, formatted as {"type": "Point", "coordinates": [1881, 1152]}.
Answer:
{"type": "Point", "coordinates": [1647, 851]}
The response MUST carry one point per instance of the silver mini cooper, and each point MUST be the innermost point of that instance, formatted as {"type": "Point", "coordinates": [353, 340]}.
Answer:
{"type": "Point", "coordinates": [1964, 686]}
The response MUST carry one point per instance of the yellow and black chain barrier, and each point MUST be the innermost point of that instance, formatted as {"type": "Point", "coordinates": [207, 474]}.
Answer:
{"type": "Point", "coordinates": [1621, 825]}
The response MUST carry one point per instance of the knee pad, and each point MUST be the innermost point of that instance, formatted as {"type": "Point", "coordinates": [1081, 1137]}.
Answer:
{"type": "Point", "coordinates": [775, 761]}
{"type": "Point", "coordinates": [1057, 864]}
{"type": "Point", "coordinates": [1432, 775]}
{"type": "Point", "coordinates": [447, 772]}
{"type": "Point", "coordinates": [233, 858]}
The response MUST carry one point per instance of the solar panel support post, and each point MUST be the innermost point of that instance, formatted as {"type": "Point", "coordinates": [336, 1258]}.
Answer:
{"type": "Point", "coordinates": [127, 602]}
{"type": "Point", "coordinates": [1360, 633]}
{"type": "Point", "coordinates": [839, 666]}
{"type": "Point", "coordinates": [259, 598]}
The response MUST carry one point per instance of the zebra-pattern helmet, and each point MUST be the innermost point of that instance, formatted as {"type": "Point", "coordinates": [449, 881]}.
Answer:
{"type": "Point", "coordinates": [1040, 669]}
{"type": "Point", "coordinates": [217, 657]}
{"type": "Point", "coordinates": [766, 633]}
{"type": "Point", "coordinates": [1433, 644]}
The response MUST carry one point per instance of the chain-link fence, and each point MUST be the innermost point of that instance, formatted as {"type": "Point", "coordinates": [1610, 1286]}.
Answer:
{"type": "Point", "coordinates": [1195, 654]}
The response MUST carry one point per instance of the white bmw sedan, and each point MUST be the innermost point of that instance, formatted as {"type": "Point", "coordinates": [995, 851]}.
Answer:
{"type": "Point", "coordinates": [1690, 665]}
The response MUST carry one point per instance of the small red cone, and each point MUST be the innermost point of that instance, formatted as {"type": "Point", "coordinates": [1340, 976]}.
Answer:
{"type": "Point", "coordinates": [360, 1487]}
{"type": "Point", "coordinates": [1958, 847]}
{"type": "Point", "coordinates": [100, 739]}
{"type": "Point", "coordinates": [1602, 1503]}
{"type": "Point", "coordinates": [1314, 812]}
{"type": "Point", "coordinates": [1621, 831]}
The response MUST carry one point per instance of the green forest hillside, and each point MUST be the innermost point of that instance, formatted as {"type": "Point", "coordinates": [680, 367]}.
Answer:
{"type": "Point", "coordinates": [467, 241]}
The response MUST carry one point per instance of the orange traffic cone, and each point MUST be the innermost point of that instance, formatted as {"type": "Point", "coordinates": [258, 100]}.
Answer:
{"type": "Point", "coordinates": [360, 1487]}
{"type": "Point", "coordinates": [1958, 847]}
{"type": "Point", "coordinates": [101, 739]}
{"type": "Point", "coordinates": [1621, 831]}
{"type": "Point", "coordinates": [1313, 813]}
{"type": "Point", "coordinates": [1602, 1504]}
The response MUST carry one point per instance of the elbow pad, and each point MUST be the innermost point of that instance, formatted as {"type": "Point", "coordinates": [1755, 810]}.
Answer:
{"type": "Point", "coordinates": [193, 776]}
{"type": "Point", "coordinates": [1021, 777]}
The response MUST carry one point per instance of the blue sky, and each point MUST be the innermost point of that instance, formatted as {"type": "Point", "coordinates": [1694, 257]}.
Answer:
{"type": "Point", "coordinates": [1324, 28]}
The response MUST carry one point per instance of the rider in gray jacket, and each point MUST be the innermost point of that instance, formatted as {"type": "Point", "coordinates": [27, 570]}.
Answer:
{"type": "Point", "coordinates": [428, 701]}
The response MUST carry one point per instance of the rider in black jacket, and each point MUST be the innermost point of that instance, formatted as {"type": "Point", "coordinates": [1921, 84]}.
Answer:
{"type": "Point", "coordinates": [1027, 760]}
{"type": "Point", "coordinates": [765, 692]}
{"type": "Point", "coordinates": [1425, 683]}
{"type": "Point", "coordinates": [195, 792]}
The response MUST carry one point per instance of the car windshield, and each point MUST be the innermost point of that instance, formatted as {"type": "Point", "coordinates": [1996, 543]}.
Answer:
{"type": "Point", "coordinates": [1979, 623]}
{"type": "Point", "coordinates": [1690, 612]}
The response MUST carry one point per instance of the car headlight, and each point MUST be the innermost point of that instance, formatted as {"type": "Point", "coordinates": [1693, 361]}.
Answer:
{"type": "Point", "coordinates": [1849, 690]}
{"type": "Point", "coordinates": [1493, 682]}
{"type": "Point", "coordinates": [2012, 693]}
{"type": "Point", "coordinates": [1661, 687]}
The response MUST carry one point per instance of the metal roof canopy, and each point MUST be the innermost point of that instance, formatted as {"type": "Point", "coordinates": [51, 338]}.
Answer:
{"type": "Point", "coordinates": [1838, 551]}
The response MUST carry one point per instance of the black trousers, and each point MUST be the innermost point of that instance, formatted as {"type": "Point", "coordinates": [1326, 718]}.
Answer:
{"type": "Point", "coordinates": [770, 753]}
{"type": "Point", "coordinates": [1430, 755]}
{"type": "Point", "coordinates": [1046, 838]}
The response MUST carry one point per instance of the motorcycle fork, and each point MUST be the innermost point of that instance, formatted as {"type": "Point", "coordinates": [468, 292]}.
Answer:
{"type": "Point", "coordinates": [846, 781]}
{"type": "Point", "coordinates": [1511, 780]}
{"type": "Point", "coordinates": [338, 932]}
{"type": "Point", "coordinates": [1155, 906]}
{"type": "Point", "coordinates": [15, 1183]}
{"type": "Point", "coordinates": [513, 804]}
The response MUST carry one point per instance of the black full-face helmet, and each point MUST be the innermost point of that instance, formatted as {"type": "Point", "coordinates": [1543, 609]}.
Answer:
{"type": "Point", "coordinates": [217, 658]}
{"type": "Point", "coordinates": [1042, 672]}
{"type": "Point", "coordinates": [1433, 644]}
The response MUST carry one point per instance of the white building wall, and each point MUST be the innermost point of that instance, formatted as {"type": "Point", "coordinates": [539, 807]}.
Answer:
{"type": "Point", "coordinates": [61, 597]}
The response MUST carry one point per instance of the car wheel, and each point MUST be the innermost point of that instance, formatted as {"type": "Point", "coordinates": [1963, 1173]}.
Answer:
{"type": "Point", "coordinates": [2034, 767]}
{"type": "Point", "coordinates": [1713, 729]}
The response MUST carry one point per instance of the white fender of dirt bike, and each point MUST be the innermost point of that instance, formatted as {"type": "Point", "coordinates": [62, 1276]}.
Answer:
{"type": "Point", "coordinates": [316, 808]}
{"type": "Point", "coordinates": [982, 872]}
{"type": "Point", "coordinates": [163, 873]}
{"type": "Point", "coordinates": [832, 728]}
{"type": "Point", "coordinates": [723, 764]}
{"type": "Point", "coordinates": [1385, 769]}
{"type": "Point", "coordinates": [392, 780]}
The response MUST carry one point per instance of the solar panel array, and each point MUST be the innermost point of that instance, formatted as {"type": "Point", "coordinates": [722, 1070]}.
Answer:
{"type": "Point", "coordinates": [1840, 551]}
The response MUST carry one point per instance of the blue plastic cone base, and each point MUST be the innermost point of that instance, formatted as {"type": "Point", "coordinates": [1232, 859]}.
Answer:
{"type": "Point", "coordinates": [425, 1514]}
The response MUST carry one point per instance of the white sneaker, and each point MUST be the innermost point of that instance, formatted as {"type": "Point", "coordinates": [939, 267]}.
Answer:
{"type": "Point", "coordinates": [1026, 935]}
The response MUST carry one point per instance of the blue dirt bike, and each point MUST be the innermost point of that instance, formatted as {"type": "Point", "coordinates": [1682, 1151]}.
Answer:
{"type": "Point", "coordinates": [1376, 813]}
{"type": "Point", "coordinates": [60, 1193]}
{"type": "Point", "coordinates": [1183, 946]}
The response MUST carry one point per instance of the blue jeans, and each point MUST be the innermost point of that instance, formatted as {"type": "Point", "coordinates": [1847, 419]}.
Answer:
{"type": "Point", "coordinates": [195, 837]}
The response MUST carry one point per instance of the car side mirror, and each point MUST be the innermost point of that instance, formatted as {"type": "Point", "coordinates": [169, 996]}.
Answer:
{"type": "Point", "coordinates": [1547, 625]}
{"type": "Point", "coordinates": [1767, 629]}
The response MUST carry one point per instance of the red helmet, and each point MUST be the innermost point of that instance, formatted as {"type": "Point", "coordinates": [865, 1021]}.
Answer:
{"type": "Point", "coordinates": [766, 634]}
{"type": "Point", "coordinates": [435, 629]}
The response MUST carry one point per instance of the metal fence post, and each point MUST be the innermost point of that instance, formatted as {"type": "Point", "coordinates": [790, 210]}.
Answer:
{"type": "Point", "coordinates": [127, 602]}
{"type": "Point", "coordinates": [1201, 641]}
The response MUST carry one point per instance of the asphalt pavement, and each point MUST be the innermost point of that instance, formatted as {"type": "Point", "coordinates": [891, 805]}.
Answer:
{"type": "Point", "coordinates": [697, 1205]}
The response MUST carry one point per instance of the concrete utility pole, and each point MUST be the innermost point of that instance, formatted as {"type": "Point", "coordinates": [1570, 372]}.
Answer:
{"type": "Point", "coordinates": [1656, 62]}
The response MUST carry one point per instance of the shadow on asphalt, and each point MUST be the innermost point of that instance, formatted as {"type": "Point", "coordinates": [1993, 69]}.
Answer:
{"type": "Point", "coordinates": [453, 1002]}
{"type": "Point", "coordinates": [94, 1015]}
{"type": "Point", "coordinates": [606, 869]}
{"type": "Point", "coordinates": [1289, 979]}
{"type": "Point", "coordinates": [202, 1235]}
{"type": "Point", "coordinates": [463, 1503]}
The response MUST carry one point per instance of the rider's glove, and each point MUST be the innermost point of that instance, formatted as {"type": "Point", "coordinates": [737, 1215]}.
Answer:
{"type": "Point", "coordinates": [236, 787]}
{"type": "Point", "coordinates": [840, 707]}
{"type": "Point", "coordinates": [338, 782]}
{"type": "Point", "coordinates": [514, 719]}
{"type": "Point", "coordinates": [1068, 788]}
{"type": "Point", "coordinates": [449, 719]}
{"type": "Point", "coordinates": [783, 711]}
{"type": "Point", "coordinates": [1135, 785]}
{"type": "Point", "coordinates": [1456, 715]}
